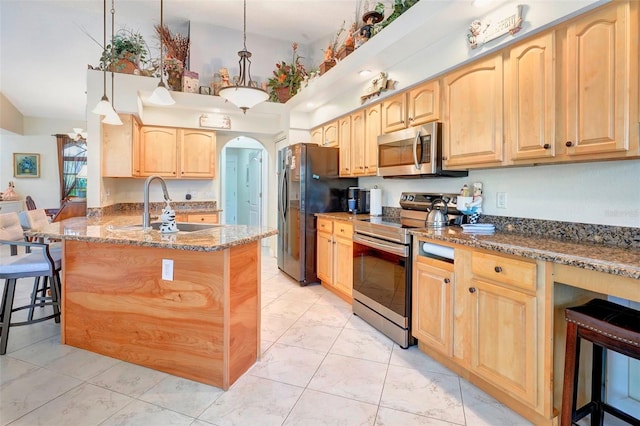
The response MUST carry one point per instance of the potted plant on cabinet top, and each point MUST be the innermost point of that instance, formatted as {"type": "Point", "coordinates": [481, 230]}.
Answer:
{"type": "Point", "coordinates": [127, 52]}
{"type": "Point", "coordinates": [287, 78]}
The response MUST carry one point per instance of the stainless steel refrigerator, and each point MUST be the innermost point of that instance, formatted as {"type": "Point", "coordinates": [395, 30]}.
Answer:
{"type": "Point", "coordinates": [308, 183]}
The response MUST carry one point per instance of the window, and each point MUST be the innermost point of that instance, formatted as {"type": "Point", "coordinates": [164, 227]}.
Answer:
{"type": "Point", "coordinates": [72, 155]}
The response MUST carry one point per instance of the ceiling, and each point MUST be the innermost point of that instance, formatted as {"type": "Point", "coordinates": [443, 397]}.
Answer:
{"type": "Point", "coordinates": [46, 45]}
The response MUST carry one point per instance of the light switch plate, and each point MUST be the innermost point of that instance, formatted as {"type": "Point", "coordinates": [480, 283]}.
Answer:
{"type": "Point", "coordinates": [501, 200]}
{"type": "Point", "coordinates": [167, 269]}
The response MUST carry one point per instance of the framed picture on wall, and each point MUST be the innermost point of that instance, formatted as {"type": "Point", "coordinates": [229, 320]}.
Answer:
{"type": "Point", "coordinates": [26, 165]}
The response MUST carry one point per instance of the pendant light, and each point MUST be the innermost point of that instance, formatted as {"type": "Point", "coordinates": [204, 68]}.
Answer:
{"type": "Point", "coordinates": [104, 107]}
{"type": "Point", "coordinates": [161, 95]}
{"type": "Point", "coordinates": [112, 116]}
{"type": "Point", "coordinates": [243, 94]}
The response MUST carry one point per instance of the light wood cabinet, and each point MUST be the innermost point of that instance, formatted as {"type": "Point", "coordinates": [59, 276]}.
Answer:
{"type": "Point", "coordinates": [344, 136]}
{"type": "Point", "coordinates": [197, 217]}
{"type": "Point", "coordinates": [358, 144]}
{"type": "Point", "coordinates": [335, 256]}
{"type": "Point", "coordinates": [601, 83]}
{"type": "Point", "coordinates": [177, 153]}
{"type": "Point", "coordinates": [530, 78]}
{"type": "Point", "coordinates": [473, 115]}
{"type": "Point", "coordinates": [373, 129]}
{"type": "Point", "coordinates": [119, 158]}
{"type": "Point", "coordinates": [416, 106]}
{"type": "Point", "coordinates": [432, 304]}
{"type": "Point", "coordinates": [316, 136]}
{"type": "Point", "coordinates": [330, 134]}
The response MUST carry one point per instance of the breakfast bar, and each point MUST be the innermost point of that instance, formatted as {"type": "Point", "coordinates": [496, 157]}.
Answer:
{"type": "Point", "coordinates": [186, 303]}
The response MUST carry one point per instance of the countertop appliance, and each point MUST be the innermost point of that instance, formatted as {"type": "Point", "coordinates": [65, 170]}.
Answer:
{"type": "Point", "coordinates": [361, 199]}
{"type": "Point", "coordinates": [382, 262]}
{"type": "Point", "coordinates": [413, 152]}
{"type": "Point", "coordinates": [308, 183]}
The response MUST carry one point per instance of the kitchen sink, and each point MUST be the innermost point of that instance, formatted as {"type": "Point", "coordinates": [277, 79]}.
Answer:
{"type": "Point", "coordinates": [187, 226]}
{"type": "Point", "coordinates": [182, 227]}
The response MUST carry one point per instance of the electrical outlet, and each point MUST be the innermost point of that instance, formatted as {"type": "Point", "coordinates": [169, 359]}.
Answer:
{"type": "Point", "coordinates": [167, 269]}
{"type": "Point", "coordinates": [501, 200]}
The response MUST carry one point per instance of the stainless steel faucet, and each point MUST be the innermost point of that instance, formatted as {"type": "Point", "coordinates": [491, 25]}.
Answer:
{"type": "Point", "coordinates": [146, 216]}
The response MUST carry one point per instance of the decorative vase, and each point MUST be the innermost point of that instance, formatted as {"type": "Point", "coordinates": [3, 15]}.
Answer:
{"type": "Point", "coordinates": [174, 80]}
{"type": "Point", "coordinates": [283, 93]}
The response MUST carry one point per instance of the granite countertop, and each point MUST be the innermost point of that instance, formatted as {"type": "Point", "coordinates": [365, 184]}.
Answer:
{"type": "Point", "coordinates": [346, 216]}
{"type": "Point", "coordinates": [596, 257]}
{"type": "Point", "coordinates": [119, 230]}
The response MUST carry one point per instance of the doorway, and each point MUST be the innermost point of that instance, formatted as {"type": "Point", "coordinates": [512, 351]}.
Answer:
{"type": "Point", "coordinates": [243, 159]}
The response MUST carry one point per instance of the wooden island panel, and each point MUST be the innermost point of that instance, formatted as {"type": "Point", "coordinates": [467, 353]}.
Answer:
{"type": "Point", "coordinates": [116, 303]}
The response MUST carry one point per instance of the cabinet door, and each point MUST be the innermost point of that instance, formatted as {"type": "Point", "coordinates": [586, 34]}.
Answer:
{"type": "Point", "coordinates": [118, 147]}
{"type": "Point", "coordinates": [325, 257]}
{"type": "Point", "coordinates": [394, 113]}
{"type": "Point", "coordinates": [600, 59]}
{"type": "Point", "coordinates": [432, 309]}
{"type": "Point", "coordinates": [316, 136]}
{"type": "Point", "coordinates": [473, 115]}
{"type": "Point", "coordinates": [344, 125]}
{"type": "Point", "coordinates": [503, 338]}
{"type": "Point", "coordinates": [373, 127]}
{"type": "Point", "coordinates": [330, 134]}
{"type": "Point", "coordinates": [343, 265]}
{"type": "Point", "coordinates": [423, 103]}
{"type": "Point", "coordinates": [530, 93]}
{"type": "Point", "coordinates": [358, 134]}
{"type": "Point", "coordinates": [158, 151]}
{"type": "Point", "coordinates": [197, 153]}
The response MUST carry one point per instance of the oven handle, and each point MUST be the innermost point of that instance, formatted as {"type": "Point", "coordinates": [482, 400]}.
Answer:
{"type": "Point", "coordinates": [376, 243]}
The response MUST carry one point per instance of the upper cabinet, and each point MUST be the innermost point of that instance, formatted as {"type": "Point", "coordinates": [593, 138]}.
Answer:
{"type": "Point", "coordinates": [133, 150]}
{"type": "Point", "coordinates": [417, 106]}
{"type": "Point", "coordinates": [473, 99]}
{"type": "Point", "coordinates": [373, 129]}
{"type": "Point", "coordinates": [530, 101]}
{"type": "Point", "coordinates": [118, 156]}
{"type": "Point", "coordinates": [316, 136]}
{"type": "Point", "coordinates": [344, 137]}
{"type": "Point", "coordinates": [358, 134]}
{"type": "Point", "coordinates": [600, 83]}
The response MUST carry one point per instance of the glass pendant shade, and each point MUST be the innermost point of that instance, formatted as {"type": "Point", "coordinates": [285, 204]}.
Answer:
{"type": "Point", "coordinates": [103, 107]}
{"type": "Point", "coordinates": [112, 118]}
{"type": "Point", "coordinates": [161, 95]}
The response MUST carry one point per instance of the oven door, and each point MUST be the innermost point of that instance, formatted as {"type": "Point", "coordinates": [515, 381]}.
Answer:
{"type": "Point", "coordinates": [382, 277]}
{"type": "Point", "coordinates": [407, 152]}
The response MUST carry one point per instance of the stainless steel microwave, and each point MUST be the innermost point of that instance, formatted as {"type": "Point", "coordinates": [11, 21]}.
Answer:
{"type": "Point", "coordinates": [413, 152]}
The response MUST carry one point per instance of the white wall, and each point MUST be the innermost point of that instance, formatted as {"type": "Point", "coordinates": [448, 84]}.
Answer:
{"type": "Point", "coordinates": [38, 138]}
{"type": "Point", "coordinates": [606, 193]}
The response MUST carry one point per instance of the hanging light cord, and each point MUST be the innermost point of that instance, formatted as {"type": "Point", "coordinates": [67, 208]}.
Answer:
{"type": "Point", "coordinates": [104, 45]}
{"type": "Point", "coordinates": [244, 31]}
{"type": "Point", "coordinates": [113, 13]}
{"type": "Point", "coordinates": [161, 44]}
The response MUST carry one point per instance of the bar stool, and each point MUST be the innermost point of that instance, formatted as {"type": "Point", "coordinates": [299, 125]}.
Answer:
{"type": "Point", "coordinates": [607, 325]}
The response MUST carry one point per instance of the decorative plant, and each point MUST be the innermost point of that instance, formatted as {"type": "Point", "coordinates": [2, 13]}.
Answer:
{"type": "Point", "coordinates": [289, 75]}
{"type": "Point", "coordinates": [127, 45]}
{"type": "Point", "coordinates": [399, 7]}
{"type": "Point", "coordinates": [176, 45]}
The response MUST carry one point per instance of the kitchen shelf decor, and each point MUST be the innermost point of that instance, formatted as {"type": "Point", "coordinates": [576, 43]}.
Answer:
{"type": "Point", "coordinates": [287, 78]}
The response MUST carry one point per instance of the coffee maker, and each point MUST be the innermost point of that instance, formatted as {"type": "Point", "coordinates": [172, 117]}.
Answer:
{"type": "Point", "coordinates": [358, 200]}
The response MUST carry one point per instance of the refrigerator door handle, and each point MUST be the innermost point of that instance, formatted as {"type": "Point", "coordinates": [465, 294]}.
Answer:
{"type": "Point", "coordinates": [284, 196]}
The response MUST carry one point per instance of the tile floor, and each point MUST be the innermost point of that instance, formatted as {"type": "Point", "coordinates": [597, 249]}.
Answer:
{"type": "Point", "coordinates": [321, 365]}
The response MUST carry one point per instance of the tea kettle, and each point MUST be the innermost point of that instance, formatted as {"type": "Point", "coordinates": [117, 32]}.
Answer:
{"type": "Point", "coordinates": [437, 217]}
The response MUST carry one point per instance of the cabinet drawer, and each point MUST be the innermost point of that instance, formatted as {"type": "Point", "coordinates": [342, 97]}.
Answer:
{"type": "Point", "coordinates": [343, 230]}
{"type": "Point", "coordinates": [203, 218]}
{"type": "Point", "coordinates": [505, 270]}
{"type": "Point", "coordinates": [325, 225]}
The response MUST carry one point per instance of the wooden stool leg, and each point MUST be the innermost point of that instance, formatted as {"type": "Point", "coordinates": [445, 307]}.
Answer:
{"type": "Point", "coordinates": [7, 304]}
{"type": "Point", "coordinates": [597, 385]}
{"type": "Point", "coordinates": [55, 294]}
{"type": "Point", "coordinates": [570, 381]}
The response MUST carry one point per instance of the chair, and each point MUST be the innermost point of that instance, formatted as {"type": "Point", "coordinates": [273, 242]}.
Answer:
{"type": "Point", "coordinates": [37, 263]}
{"type": "Point", "coordinates": [31, 205]}
{"type": "Point", "coordinates": [608, 326]}
{"type": "Point", "coordinates": [35, 220]}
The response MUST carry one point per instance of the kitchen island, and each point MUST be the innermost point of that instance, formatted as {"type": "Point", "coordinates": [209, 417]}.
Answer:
{"type": "Point", "coordinates": [186, 303]}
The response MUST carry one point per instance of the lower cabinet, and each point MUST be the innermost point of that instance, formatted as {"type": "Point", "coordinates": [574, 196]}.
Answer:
{"type": "Point", "coordinates": [432, 299]}
{"type": "Point", "coordinates": [335, 256]}
{"type": "Point", "coordinates": [489, 324]}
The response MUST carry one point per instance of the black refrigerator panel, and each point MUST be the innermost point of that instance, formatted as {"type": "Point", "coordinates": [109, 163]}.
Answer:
{"type": "Point", "coordinates": [309, 184]}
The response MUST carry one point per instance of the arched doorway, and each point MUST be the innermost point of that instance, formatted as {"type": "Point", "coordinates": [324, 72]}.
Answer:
{"type": "Point", "coordinates": [243, 163]}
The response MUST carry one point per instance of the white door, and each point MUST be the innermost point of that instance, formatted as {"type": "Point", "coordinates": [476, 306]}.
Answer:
{"type": "Point", "coordinates": [255, 189]}
{"type": "Point", "coordinates": [231, 189]}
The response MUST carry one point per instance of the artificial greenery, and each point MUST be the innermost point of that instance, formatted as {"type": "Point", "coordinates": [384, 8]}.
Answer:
{"type": "Point", "coordinates": [288, 75]}
{"type": "Point", "coordinates": [126, 45]}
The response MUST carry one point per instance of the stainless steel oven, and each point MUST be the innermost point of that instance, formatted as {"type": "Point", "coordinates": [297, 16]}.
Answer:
{"type": "Point", "coordinates": [382, 277]}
